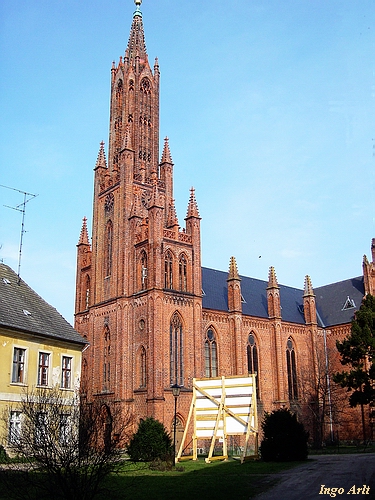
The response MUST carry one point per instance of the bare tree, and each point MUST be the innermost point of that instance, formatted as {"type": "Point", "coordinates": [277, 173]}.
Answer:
{"type": "Point", "coordinates": [67, 447]}
{"type": "Point", "coordinates": [321, 403]}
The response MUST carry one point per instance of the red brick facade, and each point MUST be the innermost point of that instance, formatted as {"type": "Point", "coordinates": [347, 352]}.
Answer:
{"type": "Point", "coordinates": [139, 284]}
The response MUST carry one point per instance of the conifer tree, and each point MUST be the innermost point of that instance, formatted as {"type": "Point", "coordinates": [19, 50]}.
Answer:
{"type": "Point", "coordinates": [358, 352]}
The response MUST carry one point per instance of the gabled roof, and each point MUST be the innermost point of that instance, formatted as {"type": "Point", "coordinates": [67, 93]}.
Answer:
{"type": "Point", "coordinates": [330, 299]}
{"type": "Point", "coordinates": [22, 309]}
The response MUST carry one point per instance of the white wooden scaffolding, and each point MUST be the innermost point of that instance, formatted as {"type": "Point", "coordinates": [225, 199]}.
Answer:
{"type": "Point", "coordinates": [222, 407]}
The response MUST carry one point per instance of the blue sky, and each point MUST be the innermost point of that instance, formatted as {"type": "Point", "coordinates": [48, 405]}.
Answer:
{"type": "Point", "coordinates": [269, 106]}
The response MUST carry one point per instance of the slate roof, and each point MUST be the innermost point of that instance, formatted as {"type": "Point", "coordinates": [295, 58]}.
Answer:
{"type": "Point", "coordinates": [330, 299]}
{"type": "Point", "coordinates": [24, 310]}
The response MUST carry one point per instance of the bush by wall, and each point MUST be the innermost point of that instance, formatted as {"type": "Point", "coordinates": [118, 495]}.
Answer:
{"type": "Point", "coordinates": [284, 438]}
{"type": "Point", "coordinates": [150, 442]}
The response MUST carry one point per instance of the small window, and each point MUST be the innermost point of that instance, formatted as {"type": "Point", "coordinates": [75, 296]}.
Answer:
{"type": "Point", "coordinates": [43, 368]}
{"type": "Point", "coordinates": [18, 371]}
{"type": "Point", "coordinates": [66, 372]}
{"type": "Point", "coordinates": [349, 304]}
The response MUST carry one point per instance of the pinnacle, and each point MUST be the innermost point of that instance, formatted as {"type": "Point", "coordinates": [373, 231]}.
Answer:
{"type": "Point", "coordinates": [172, 216]}
{"type": "Point", "coordinates": [192, 207]}
{"type": "Point", "coordinates": [233, 271]}
{"type": "Point", "coordinates": [272, 279]}
{"type": "Point", "coordinates": [308, 287]}
{"type": "Point", "coordinates": [101, 162]}
{"type": "Point", "coordinates": [166, 156]}
{"type": "Point", "coordinates": [84, 237]}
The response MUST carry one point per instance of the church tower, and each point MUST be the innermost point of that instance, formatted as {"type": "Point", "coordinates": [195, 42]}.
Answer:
{"type": "Point", "coordinates": [138, 289]}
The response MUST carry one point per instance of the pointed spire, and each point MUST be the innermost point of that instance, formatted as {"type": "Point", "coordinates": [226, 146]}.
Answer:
{"type": "Point", "coordinates": [172, 215]}
{"type": "Point", "coordinates": [233, 271]}
{"type": "Point", "coordinates": [166, 156]}
{"type": "Point", "coordinates": [308, 290]}
{"type": "Point", "coordinates": [136, 43]}
{"type": "Point", "coordinates": [84, 236]}
{"type": "Point", "coordinates": [101, 161]}
{"type": "Point", "coordinates": [192, 210]}
{"type": "Point", "coordinates": [272, 279]}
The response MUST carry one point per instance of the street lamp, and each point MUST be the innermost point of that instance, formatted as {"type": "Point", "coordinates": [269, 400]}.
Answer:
{"type": "Point", "coordinates": [176, 392]}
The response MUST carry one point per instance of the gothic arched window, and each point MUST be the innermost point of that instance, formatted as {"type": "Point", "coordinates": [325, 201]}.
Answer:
{"type": "Point", "coordinates": [292, 371]}
{"type": "Point", "coordinates": [252, 359]}
{"type": "Point", "coordinates": [108, 248]}
{"type": "Point", "coordinates": [143, 271]}
{"type": "Point", "coordinates": [168, 271]}
{"type": "Point", "coordinates": [176, 350]}
{"type": "Point", "coordinates": [146, 117]}
{"type": "Point", "coordinates": [182, 271]}
{"type": "Point", "coordinates": [210, 354]}
{"type": "Point", "coordinates": [107, 358]}
{"type": "Point", "coordinates": [143, 368]}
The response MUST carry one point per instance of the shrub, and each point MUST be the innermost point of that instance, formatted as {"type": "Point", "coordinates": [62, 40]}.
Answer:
{"type": "Point", "coordinates": [3, 455]}
{"type": "Point", "coordinates": [284, 438]}
{"type": "Point", "coordinates": [150, 442]}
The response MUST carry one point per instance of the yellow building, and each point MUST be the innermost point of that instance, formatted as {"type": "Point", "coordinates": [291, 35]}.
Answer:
{"type": "Point", "coordinates": [38, 349]}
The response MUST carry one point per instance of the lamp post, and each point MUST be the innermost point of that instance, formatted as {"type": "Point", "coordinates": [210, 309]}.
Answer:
{"type": "Point", "coordinates": [176, 392]}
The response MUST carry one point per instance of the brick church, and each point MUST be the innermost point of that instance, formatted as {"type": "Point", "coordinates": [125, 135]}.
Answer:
{"type": "Point", "coordinates": [155, 317]}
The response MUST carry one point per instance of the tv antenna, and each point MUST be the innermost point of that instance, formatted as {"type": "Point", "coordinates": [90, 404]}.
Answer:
{"type": "Point", "coordinates": [20, 208]}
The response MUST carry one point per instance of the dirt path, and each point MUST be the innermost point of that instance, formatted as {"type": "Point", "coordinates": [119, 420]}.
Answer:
{"type": "Point", "coordinates": [347, 473]}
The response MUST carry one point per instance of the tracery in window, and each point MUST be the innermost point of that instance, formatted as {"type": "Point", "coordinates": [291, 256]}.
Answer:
{"type": "Point", "coordinates": [176, 350]}
{"type": "Point", "coordinates": [252, 358]}
{"type": "Point", "coordinates": [292, 370]}
{"type": "Point", "coordinates": [210, 354]}
{"type": "Point", "coordinates": [168, 271]}
{"type": "Point", "coordinates": [182, 271]}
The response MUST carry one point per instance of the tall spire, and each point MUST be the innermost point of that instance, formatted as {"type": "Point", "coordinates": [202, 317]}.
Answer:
{"type": "Point", "coordinates": [136, 43]}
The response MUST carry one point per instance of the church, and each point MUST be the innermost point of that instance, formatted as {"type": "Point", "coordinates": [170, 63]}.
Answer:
{"type": "Point", "coordinates": [154, 317]}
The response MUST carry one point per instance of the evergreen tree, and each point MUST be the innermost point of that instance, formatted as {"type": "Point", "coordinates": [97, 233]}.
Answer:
{"type": "Point", "coordinates": [284, 438]}
{"type": "Point", "coordinates": [150, 442]}
{"type": "Point", "coordinates": [358, 352]}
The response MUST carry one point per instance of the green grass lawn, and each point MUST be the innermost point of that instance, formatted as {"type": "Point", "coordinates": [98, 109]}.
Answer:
{"type": "Point", "coordinates": [198, 480]}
